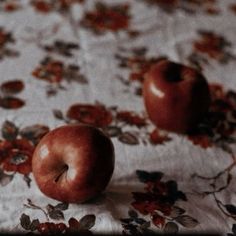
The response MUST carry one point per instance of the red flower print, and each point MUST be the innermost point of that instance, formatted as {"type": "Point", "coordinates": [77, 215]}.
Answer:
{"type": "Point", "coordinates": [158, 220]}
{"type": "Point", "coordinates": [159, 203]}
{"type": "Point", "coordinates": [11, 103]}
{"type": "Point", "coordinates": [218, 126]}
{"type": "Point", "coordinates": [202, 140]}
{"type": "Point", "coordinates": [168, 5]}
{"type": "Point", "coordinates": [131, 118]}
{"type": "Point", "coordinates": [232, 7]}
{"type": "Point", "coordinates": [49, 70]}
{"type": "Point", "coordinates": [107, 18]}
{"type": "Point", "coordinates": [217, 92]}
{"type": "Point", "coordinates": [16, 155]}
{"type": "Point", "coordinates": [158, 137]}
{"type": "Point", "coordinates": [188, 6]}
{"type": "Point", "coordinates": [9, 5]}
{"type": "Point", "coordinates": [42, 6]}
{"type": "Point", "coordinates": [46, 6]}
{"type": "Point", "coordinates": [7, 90]}
{"type": "Point", "coordinates": [17, 148]}
{"type": "Point", "coordinates": [136, 61]}
{"type": "Point", "coordinates": [82, 226]}
{"type": "Point", "coordinates": [6, 38]}
{"type": "Point", "coordinates": [12, 86]}
{"type": "Point", "coordinates": [96, 115]}
{"type": "Point", "coordinates": [114, 122]}
{"type": "Point", "coordinates": [54, 71]}
{"type": "Point", "coordinates": [212, 45]}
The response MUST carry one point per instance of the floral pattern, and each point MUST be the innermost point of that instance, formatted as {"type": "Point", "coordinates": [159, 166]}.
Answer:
{"type": "Point", "coordinates": [9, 6]}
{"type": "Point", "coordinates": [233, 8]}
{"type": "Point", "coordinates": [67, 48]}
{"type": "Point", "coordinates": [82, 226]}
{"type": "Point", "coordinates": [114, 122]}
{"type": "Point", "coordinates": [54, 71]}
{"type": "Point", "coordinates": [210, 46]}
{"type": "Point", "coordinates": [16, 150]}
{"type": "Point", "coordinates": [47, 6]}
{"type": "Point", "coordinates": [107, 18]}
{"type": "Point", "coordinates": [138, 63]}
{"type": "Point", "coordinates": [159, 202]}
{"type": "Point", "coordinates": [192, 7]}
{"type": "Point", "coordinates": [218, 128]}
{"type": "Point", "coordinates": [61, 48]}
{"type": "Point", "coordinates": [6, 38]}
{"type": "Point", "coordinates": [8, 89]}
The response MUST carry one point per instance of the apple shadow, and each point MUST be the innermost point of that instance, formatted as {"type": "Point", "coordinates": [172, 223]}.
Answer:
{"type": "Point", "coordinates": [116, 199]}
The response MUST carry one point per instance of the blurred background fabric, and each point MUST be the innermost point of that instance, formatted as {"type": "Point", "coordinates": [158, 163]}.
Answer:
{"type": "Point", "coordinates": [84, 61]}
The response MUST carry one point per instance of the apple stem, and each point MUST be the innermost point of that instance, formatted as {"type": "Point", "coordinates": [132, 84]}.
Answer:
{"type": "Point", "coordinates": [65, 168]}
{"type": "Point", "coordinates": [173, 73]}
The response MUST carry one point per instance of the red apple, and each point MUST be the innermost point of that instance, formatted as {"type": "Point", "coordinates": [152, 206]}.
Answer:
{"type": "Point", "coordinates": [73, 163]}
{"type": "Point", "coordinates": [176, 96]}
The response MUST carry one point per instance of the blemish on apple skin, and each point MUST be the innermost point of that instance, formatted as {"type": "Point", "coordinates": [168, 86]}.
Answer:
{"type": "Point", "coordinates": [156, 91]}
{"type": "Point", "coordinates": [43, 151]}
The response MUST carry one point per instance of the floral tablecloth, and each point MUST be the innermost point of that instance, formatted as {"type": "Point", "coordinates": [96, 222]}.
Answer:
{"type": "Point", "coordinates": [83, 61]}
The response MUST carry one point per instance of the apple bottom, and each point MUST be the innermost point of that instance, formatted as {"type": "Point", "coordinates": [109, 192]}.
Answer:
{"type": "Point", "coordinates": [73, 193]}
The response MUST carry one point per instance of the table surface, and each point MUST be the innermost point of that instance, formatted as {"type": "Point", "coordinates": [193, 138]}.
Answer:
{"type": "Point", "coordinates": [84, 61]}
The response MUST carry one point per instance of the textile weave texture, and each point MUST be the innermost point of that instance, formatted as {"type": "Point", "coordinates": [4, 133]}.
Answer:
{"type": "Point", "coordinates": [84, 61]}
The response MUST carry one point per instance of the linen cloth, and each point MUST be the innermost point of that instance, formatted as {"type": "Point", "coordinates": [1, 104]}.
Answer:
{"type": "Point", "coordinates": [171, 31]}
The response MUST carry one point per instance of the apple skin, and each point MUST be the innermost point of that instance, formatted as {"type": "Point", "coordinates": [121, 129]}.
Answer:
{"type": "Point", "coordinates": [176, 96]}
{"type": "Point", "coordinates": [73, 163]}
